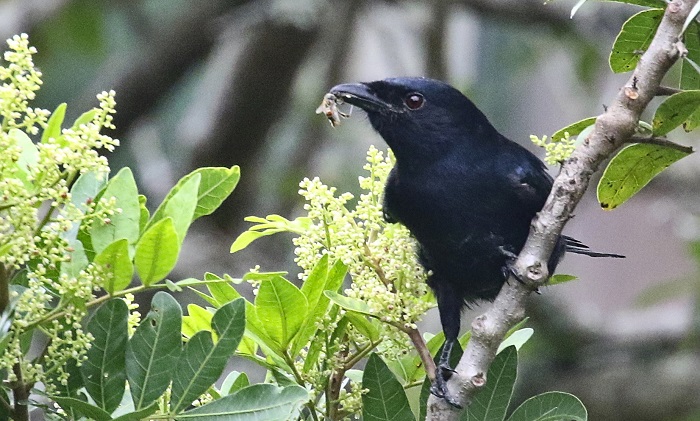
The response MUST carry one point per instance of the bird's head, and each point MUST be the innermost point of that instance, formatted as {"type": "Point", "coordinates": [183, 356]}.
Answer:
{"type": "Point", "coordinates": [419, 118]}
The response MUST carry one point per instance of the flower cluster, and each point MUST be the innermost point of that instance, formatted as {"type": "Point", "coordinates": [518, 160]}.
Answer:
{"type": "Point", "coordinates": [22, 81]}
{"type": "Point", "coordinates": [380, 256]}
{"type": "Point", "coordinates": [41, 258]}
{"type": "Point", "coordinates": [556, 151]}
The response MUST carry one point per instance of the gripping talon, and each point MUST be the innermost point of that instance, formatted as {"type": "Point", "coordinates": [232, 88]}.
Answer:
{"type": "Point", "coordinates": [439, 387]}
{"type": "Point", "coordinates": [508, 269]}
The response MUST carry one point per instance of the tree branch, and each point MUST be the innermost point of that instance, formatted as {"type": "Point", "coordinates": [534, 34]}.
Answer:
{"type": "Point", "coordinates": [612, 129]}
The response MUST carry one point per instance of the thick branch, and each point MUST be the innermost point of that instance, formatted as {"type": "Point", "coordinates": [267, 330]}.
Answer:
{"type": "Point", "coordinates": [611, 130]}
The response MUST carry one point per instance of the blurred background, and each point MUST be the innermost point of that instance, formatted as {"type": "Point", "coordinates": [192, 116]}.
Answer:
{"type": "Point", "coordinates": [224, 82]}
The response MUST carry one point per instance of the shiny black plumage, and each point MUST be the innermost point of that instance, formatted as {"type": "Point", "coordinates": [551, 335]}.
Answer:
{"type": "Point", "coordinates": [464, 191]}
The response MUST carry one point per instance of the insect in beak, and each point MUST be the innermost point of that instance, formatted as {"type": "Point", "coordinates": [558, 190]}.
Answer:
{"type": "Point", "coordinates": [329, 107]}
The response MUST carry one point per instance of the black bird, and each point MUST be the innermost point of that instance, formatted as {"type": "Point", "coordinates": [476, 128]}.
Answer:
{"type": "Point", "coordinates": [466, 193]}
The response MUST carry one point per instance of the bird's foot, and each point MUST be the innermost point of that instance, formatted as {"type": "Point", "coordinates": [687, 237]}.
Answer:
{"type": "Point", "coordinates": [509, 268]}
{"type": "Point", "coordinates": [439, 386]}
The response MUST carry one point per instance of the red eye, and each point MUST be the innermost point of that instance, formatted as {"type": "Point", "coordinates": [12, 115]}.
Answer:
{"type": "Point", "coordinates": [414, 100]}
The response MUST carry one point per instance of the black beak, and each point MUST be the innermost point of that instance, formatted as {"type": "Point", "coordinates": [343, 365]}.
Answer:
{"type": "Point", "coordinates": [360, 95]}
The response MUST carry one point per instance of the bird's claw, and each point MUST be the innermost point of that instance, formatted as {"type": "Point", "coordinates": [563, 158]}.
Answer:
{"type": "Point", "coordinates": [507, 253]}
{"type": "Point", "coordinates": [509, 269]}
{"type": "Point", "coordinates": [439, 386]}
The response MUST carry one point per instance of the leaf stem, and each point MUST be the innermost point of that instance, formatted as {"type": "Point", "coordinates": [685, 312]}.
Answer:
{"type": "Point", "coordinates": [661, 141]}
{"type": "Point", "coordinates": [57, 313]}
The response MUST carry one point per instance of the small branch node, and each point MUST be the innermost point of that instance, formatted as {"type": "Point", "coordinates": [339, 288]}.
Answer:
{"type": "Point", "coordinates": [479, 380]}
{"type": "Point", "coordinates": [631, 92]}
{"type": "Point", "coordinates": [479, 324]}
{"type": "Point", "coordinates": [681, 49]}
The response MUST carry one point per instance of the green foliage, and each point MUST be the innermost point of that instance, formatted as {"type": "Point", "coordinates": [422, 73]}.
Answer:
{"type": "Point", "coordinates": [690, 79]}
{"type": "Point", "coordinates": [634, 39]}
{"type": "Point", "coordinates": [636, 165]}
{"type": "Point", "coordinates": [72, 238]}
{"type": "Point", "coordinates": [256, 402]}
{"type": "Point", "coordinates": [385, 399]}
{"type": "Point", "coordinates": [550, 406]}
{"type": "Point", "coordinates": [676, 110]}
{"type": "Point", "coordinates": [631, 169]}
{"type": "Point", "coordinates": [153, 350]}
{"type": "Point", "coordinates": [491, 402]}
{"type": "Point", "coordinates": [104, 371]}
{"type": "Point", "coordinates": [203, 361]}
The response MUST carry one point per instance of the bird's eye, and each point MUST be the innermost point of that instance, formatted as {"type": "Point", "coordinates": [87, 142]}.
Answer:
{"type": "Point", "coordinates": [414, 100]}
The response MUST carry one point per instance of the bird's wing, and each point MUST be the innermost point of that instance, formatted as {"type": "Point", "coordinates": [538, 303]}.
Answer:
{"type": "Point", "coordinates": [527, 177]}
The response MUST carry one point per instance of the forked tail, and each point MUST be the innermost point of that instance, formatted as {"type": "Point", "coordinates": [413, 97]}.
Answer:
{"type": "Point", "coordinates": [575, 246]}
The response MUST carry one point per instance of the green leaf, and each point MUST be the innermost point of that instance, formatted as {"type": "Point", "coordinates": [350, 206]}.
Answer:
{"type": "Point", "coordinates": [234, 382]}
{"type": "Point", "coordinates": [412, 366]}
{"type": "Point", "coordinates": [222, 292]}
{"type": "Point", "coordinates": [634, 39]}
{"type": "Point", "coordinates": [320, 279]}
{"type": "Point", "coordinates": [84, 118]}
{"type": "Point", "coordinates": [516, 339]}
{"type": "Point", "coordinates": [631, 169]}
{"type": "Point", "coordinates": [86, 188]}
{"type": "Point", "coordinates": [247, 237]}
{"type": "Point", "coordinates": [281, 309]}
{"type": "Point", "coordinates": [153, 350]}
{"type": "Point", "coordinates": [385, 399]}
{"type": "Point", "coordinates": [103, 371]}
{"type": "Point", "coordinates": [256, 330]}
{"type": "Point", "coordinates": [364, 326]}
{"type": "Point", "coordinates": [216, 185]}
{"type": "Point", "coordinates": [202, 361]}
{"type": "Point", "coordinates": [560, 278]}
{"type": "Point", "coordinates": [145, 215]}
{"type": "Point", "coordinates": [491, 402]}
{"type": "Point", "coordinates": [551, 406]}
{"type": "Point", "coordinates": [690, 78]}
{"type": "Point", "coordinates": [124, 224]}
{"type": "Point", "coordinates": [179, 205]}
{"type": "Point", "coordinates": [77, 259]}
{"type": "Point", "coordinates": [116, 266]}
{"type": "Point", "coordinates": [157, 252]}
{"type": "Point", "coordinates": [257, 402]}
{"type": "Point", "coordinates": [138, 415]}
{"type": "Point", "coordinates": [573, 129]}
{"type": "Point", "coordinates": [83, 408]}
{"type": "Point", "coordinates": [268, 226]}
{"type": "Point", "coordinates": [675, 110]}
{"type": "Point", "coordinates": [29, 155]}
{"type": "Point", "coordinates": [53, 126]}
{"type": "Point", "coordinates": [198, 319]}
{"type": "Point", "coordinates": [691, 17]}
{"type": "Point", "coordinates": [352, 304]}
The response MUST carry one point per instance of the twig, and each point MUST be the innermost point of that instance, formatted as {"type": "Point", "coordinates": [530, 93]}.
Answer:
{"type": "Point", "coordinates": [667, 90]}
{"type": "Point", "coordinates": [661, 141]}
{"type": "Point", "coordinates": [611, 130]}
{"type": "Point", "coordinates": [423, 353]}
{"type": "Point", "coordinates": [21, 396]}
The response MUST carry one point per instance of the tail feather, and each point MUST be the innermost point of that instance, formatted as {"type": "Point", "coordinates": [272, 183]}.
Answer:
{"type": "Point", "coordinates": [575, 246]}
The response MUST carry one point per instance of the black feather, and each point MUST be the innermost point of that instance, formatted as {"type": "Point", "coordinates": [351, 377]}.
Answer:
{"type": "Point", "coordinates": [464, 191]}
